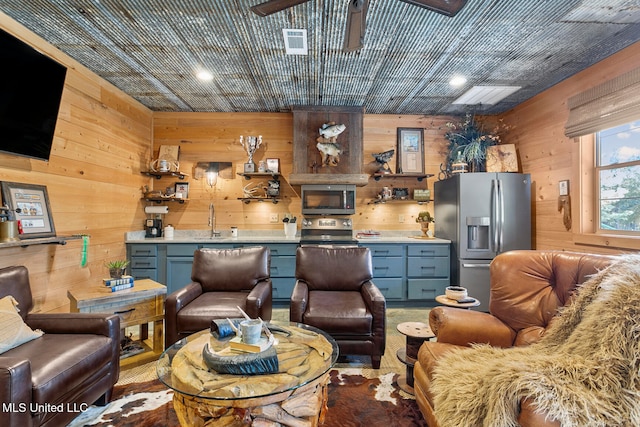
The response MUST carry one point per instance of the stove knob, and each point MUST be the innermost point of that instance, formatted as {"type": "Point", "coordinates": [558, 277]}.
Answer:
{"type": "Point", "coordinates": [346, 223]}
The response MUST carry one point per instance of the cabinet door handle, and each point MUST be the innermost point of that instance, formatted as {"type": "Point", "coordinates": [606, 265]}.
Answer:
{"type": "Point", "coordinates": [475, 265]}
{"type": "Point", "coordinates": [124, 311]}
{"type": "Point", "coordinates": [381, 268]}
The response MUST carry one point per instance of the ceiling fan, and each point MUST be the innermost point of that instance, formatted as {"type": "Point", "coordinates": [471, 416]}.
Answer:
{"type": "Point", "coordinates": [354, 31]}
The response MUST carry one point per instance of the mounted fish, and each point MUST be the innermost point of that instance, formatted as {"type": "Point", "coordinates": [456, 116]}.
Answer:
{"type": "Point", "coordinates": [330, 152]}
{"type": "Point", "coordinates": [327, 145]}
{"type": "Point", "coordinates": [331, 131]}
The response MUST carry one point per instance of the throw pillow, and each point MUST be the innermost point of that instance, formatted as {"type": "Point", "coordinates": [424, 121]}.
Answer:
{"type": "Point", "coordinates": [13, 330]}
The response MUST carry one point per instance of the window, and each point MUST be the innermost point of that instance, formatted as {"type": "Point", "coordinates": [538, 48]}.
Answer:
{"type": "Point", "coordinates": [618, 178]}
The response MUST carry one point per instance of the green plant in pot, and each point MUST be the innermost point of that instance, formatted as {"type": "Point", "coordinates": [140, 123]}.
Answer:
{"type": "Point", "coordinates": [117, 268]}
{"type": "Point", "coordinates": [424, 218]}
{"type": "Point", "coordinates": [468, 142]}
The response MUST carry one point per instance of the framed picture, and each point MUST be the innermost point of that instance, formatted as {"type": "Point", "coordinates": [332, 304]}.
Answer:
{"type": "Point", "coordinates": [31, 205]}
{"type": "Point", "coordinates": [410, 157]}
{"type": "Point", "coordinates": [182, 190]}
{"type": "Point", "coordinates": [273, 165]}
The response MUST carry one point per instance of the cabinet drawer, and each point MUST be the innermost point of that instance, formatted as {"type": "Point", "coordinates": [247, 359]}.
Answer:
{"type": "Point", "coordinates": [283, 266]}
{"type": "Point", "coordinates": [178, 249]}
{"type": "Point", "coordinates": [283, 249]}
{"type": "Point", "coordinates": [143, 250]}
{"type": "Point", "coordinates": [388, 267]}
{"type": "Point", "coordinates": [428, 250]}
{"type": "Point", "coordinates": [390, 288]}
{"type": "Point", "coordinates": [428, 267]}
{"type": "Point", "coordinates": [144, 273]}
{"type": "Point", "coordinates": [282, 287]}
{"type": "Point", "coordinates": [426, 289]}
{"type": "Point", "coordinates": [133, 313]}
{"type": "Point", "coordinates": [386, 250]}
{"type": "Point", "coordinates": [144, 262]}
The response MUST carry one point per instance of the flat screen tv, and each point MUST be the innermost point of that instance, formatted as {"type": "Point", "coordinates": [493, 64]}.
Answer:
{"type": "Point", "coordinates": [31, 86]}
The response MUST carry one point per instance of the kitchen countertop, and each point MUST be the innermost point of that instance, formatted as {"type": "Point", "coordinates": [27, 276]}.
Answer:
{"type": "Point", "coordinates": [270, 236]}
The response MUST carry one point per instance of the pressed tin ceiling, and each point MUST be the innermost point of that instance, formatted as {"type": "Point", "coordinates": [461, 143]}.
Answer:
{"type": "Point", "coordinates": [152, 49]}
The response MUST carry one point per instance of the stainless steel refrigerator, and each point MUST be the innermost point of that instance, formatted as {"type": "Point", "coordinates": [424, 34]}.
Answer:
{"type": "Point", "coordinates": [483, 214]}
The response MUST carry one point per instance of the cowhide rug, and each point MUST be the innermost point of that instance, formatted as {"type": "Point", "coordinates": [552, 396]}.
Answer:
{"type": "Point", "coordinates": [353, 401]}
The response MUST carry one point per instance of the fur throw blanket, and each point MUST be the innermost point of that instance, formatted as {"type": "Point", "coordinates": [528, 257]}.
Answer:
{"type": "Point", "coordinates": [585, 371]}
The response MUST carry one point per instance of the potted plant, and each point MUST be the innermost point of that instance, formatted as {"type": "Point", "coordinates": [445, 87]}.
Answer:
{"type": "Point", "coordinates": [468, 142]}
{"type": "Point", "coordinates": [117, 268]}
{"type": "Point", "coordinates": [424, 218]}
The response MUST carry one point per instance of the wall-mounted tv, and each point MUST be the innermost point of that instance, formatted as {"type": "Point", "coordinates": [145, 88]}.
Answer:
{"type": "Point", "coordinates": [31, 86]}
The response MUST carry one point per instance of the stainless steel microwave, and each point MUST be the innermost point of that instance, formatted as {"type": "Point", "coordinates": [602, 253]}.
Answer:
{"type": "Point", "coordinates": [328, 199]}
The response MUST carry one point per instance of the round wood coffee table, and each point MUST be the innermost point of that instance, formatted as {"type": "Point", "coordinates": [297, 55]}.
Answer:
{"type": "Point", "coordinates": [295, 395]}
{"type": "Point", "coordinates": [416, 333]}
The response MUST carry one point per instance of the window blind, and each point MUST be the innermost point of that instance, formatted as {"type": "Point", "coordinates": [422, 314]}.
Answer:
{"type": "Point", "coordinates": [609, 104]}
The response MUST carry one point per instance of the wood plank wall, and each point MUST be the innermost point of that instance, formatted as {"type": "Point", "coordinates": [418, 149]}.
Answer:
{"type": "Point", "coordinates": [204, 137]}
{"type": "Point", "coordinates": [549, 156]}
{"type": "Point", "coordinates": [101, 143]}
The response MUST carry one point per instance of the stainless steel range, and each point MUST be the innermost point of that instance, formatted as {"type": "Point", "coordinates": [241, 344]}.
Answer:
{"type": "Point", "coordinates": [327, 230]}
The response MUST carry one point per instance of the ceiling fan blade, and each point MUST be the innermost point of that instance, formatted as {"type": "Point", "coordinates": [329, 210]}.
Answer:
{"type": "Point", "coordinates": [273, 6]}
{"type": "Point", "coordinates": [356, 23]}
{"type": "Point", "coordinates": [446, 7]}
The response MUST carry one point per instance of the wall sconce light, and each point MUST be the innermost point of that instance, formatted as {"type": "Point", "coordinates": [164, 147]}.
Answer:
{"type": "Point", "coordinates": [212, 173]}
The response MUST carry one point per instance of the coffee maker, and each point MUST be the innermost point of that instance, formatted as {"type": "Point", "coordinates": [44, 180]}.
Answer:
{"type": "Point", "coordinates": [153, 227]}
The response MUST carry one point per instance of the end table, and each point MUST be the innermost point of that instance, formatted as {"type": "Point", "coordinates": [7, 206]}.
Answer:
{"type": "Point", "coordinates": [137, 306]}
{"type": "Point", "coordinates": [416, 333]}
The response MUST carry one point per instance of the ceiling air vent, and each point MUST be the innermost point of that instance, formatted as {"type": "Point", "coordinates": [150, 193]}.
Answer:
{"type": "Point", "coordinates": [295, 41]}
{"type": "Point", "coordinates": [488, 95]}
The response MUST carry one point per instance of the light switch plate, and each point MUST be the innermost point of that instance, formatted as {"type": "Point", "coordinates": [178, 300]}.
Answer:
{"type": "Point", "coordinates": [563, 187]}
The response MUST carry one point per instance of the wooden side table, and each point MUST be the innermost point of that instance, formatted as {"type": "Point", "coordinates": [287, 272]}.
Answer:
{"type": "Point", "coordinates": [442, 299]}
{"type": "Point", "coordinates": [137, 306]}
{"type": "Point", "coordinates": [416, 333]}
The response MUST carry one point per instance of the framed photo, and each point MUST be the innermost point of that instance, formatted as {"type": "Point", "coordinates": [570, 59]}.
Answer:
{"type": "Point", "coordinates": [182, 190]}
{"type": "Point", "coordinates": [273, 165]}
{"type": "Point", "coordinates": [410, 150]}
{"type": "Point", "coordinates": [31, 205]}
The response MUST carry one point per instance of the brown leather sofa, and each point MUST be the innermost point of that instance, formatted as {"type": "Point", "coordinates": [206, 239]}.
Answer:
{"type": "Point", "coordinates": [49, 380]}
{"type": "Point", "coordinates": [222, 281]}
{"type": "Point", "coordinates": [334, 292]}
{"type": "Point", "coordinates": [527, 289]}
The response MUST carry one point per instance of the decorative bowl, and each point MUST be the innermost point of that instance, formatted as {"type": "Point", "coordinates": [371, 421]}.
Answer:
{"type": "Point", "coordinates": [455, 292]}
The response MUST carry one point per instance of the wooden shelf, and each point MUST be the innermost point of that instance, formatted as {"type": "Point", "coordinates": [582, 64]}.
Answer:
{"type": "Point", "coordinates": [165, 199]}
{"type": "Point", "coordinates": [159, 175]}
{"type": "Point", "coordinates": [248, 200]}
{"type": "Point", "coordinates": [419, 176]}
{"type": "Point", "coordinates": [61, 240]}
{"type": "Point", "coordinates": [378, 202]}
{"type": "Point", "coordinates": [275, 175]}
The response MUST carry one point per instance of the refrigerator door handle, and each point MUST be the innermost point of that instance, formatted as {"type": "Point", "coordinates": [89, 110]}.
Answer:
{"type": "Point", "coordinates": [475, 265]}
{"type": "Point", "coordinates": [494, 215]}
{"type": "Point", "coordinates": [501, 215]}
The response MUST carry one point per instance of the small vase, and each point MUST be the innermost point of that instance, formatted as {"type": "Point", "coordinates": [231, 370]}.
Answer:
{"type": "Point", "coordinates": [424, 226]}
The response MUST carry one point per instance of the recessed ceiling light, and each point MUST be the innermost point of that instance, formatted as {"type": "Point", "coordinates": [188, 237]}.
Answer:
{"type": "Point", "coordinates": [204, 75]}
{"type": "Point", "coordinates": [488, 95]}
{"type": "Point", "coordinates": [457, 81]}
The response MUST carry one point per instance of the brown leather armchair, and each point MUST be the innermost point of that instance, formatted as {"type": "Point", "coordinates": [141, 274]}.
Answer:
{"type": "Point", "coordinates": [334, 292]}
{"type": "Point", "coordinates": [49, 380]}
{"type": "Point", "coordinates": [527, 289]}
{"type": "Point", "coordinates": [222, 281]}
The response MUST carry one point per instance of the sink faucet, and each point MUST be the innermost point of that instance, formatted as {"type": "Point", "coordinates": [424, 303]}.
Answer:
{"type": "Point", "coordinates": [212, 221]}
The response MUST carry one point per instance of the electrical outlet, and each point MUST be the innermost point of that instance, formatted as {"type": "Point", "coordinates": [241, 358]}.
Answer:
{"type": "Point", "coordinates": [273, 217]}
{"type": "Point", "coordinates": [401, 218]}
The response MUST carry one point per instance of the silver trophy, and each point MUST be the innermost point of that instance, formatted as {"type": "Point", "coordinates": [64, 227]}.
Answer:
{"type": "Point", "coordinates": [251, 144]}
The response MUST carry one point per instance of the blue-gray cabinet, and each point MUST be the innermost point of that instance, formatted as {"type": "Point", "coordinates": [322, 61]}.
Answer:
{"type": "Point", "coordinates": [402, 271]}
